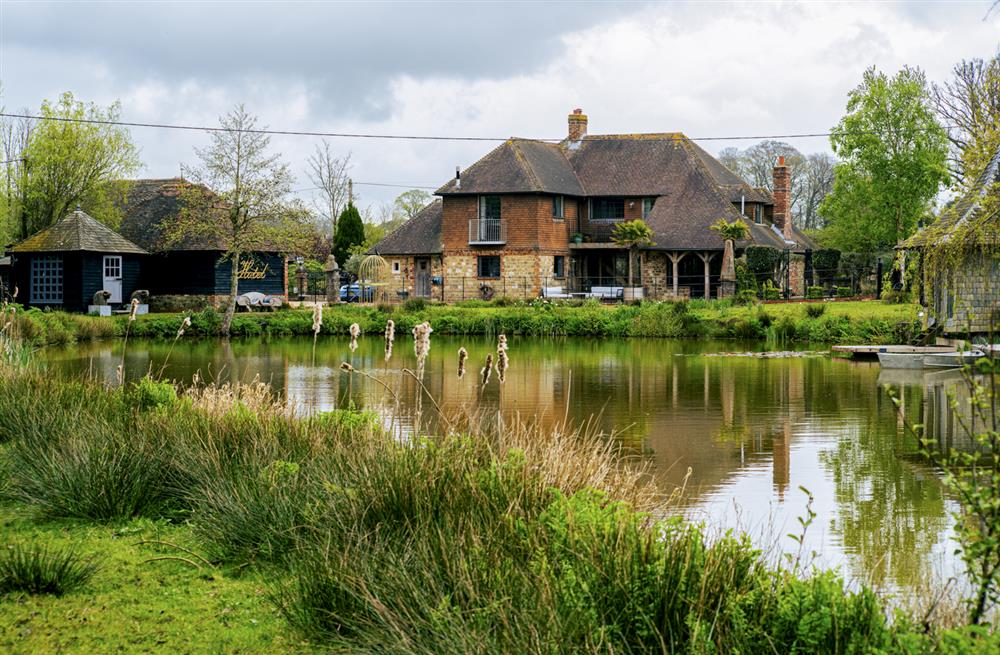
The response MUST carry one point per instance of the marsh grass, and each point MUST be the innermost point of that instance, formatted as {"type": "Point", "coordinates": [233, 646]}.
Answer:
{"type": "Point", "coordinates": [40, 569]}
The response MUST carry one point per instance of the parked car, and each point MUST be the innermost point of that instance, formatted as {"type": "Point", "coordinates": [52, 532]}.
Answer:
{"type": "Point", "coordinates": [352, 293]}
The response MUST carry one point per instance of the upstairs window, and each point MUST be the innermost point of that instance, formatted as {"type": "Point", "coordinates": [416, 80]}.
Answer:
{"type": "Point", "coordinates": [488, 266]}
{"type": "Point", "coordinates": [647, 207]}
{"type": "Point", "coordinates": [607, 209]}
{"type": "Point", "coordinates": [557, 208]}
{"type": "Point", "coordinates": [489, 208]}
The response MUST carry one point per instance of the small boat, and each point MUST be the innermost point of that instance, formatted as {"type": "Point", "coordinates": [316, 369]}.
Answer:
{"type": "Point", "coordinates": [955, 359]}
{"type": "Point", "coordinates": [901, 360]}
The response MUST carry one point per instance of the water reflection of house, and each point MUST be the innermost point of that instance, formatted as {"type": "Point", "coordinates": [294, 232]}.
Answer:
{"type": "Point", "coordinates": [949, 420]}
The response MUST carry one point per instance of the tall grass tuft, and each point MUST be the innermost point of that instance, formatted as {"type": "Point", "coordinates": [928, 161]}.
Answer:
{"type": "Point", "coordinates": [39, 569]}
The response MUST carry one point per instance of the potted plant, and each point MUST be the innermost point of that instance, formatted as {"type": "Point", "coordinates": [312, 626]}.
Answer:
{"type": "Point", "coordinates": [632, 235]}
{"type": "Point", "coordinates": [730, 233]}
{"type": "Point", "coordinates": [577, 238]}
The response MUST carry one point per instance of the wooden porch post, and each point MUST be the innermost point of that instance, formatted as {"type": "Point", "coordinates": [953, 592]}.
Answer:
{"type": "Point", "coordinates": [706, 257]}
{"type": "Point", "coordinates": [675, 260]}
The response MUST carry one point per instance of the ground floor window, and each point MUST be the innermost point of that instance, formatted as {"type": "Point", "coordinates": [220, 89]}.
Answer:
{"type": "Point", "coordinates": [488, 266]}
{"type": "Point", "coordinates": [559, 266]}
{"type": "Point", "coordinates": [47, 279]}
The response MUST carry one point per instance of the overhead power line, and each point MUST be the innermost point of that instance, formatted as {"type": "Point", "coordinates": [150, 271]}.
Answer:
{"type": "Point", "coordinates": [404, 137]}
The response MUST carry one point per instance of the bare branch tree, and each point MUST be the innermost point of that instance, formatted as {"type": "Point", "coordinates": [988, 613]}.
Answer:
{"type": "Point", "coordinates": [968, 103]}
{"type": "Point", "coordinates": [15, 135]}
{"type": "Point", "coordinates": [330, 175]}
{"type": "Point", "coordinates": [246, 209]}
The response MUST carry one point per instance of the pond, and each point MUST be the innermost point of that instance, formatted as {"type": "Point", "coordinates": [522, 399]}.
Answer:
{"type": "Point", "coordinates": [752, 430]}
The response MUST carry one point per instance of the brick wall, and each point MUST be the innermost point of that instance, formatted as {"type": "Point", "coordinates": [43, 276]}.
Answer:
{"type": "Point", "coordinates": [534, 237]}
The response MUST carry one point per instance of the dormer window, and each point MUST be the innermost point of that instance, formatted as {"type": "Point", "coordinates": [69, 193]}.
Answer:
{"type": "Point", "coordinates": [647, 207]}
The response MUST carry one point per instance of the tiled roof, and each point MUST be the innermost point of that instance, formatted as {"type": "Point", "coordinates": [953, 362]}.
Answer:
{"type": "Point", "coordinates": [78, 231]}
{"type": "Point", "coordinates": [421, 235]}
{"type": "Point", "coordinates": [693, 189]}
{"type": "Point", "coordinates": [518, 166]}
{"type": "Point", "coordinates": [149, 205]}
{"type": "Point", "coordinates": [963, 209]}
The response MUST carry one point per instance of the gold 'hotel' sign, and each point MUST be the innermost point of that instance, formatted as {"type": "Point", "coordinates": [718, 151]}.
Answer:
{"type": "Point", "coordinates": [252, 271]}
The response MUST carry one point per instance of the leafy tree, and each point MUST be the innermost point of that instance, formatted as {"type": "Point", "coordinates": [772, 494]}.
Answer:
{"type": "Point", "coordinates": [632, 235]}
{"type": "Point", "coordinates": [238, 199]}
{"type": "Point", "coordinates": [66, 163]}
{"type": "Point", "coordinates": [350, 233]}
{"type": "Point", "coordinates": [893, 153]}
{"type": "Point", "coordinates": [409, 203]}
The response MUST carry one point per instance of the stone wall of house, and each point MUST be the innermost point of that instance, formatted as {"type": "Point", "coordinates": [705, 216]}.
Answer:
{"type": "Point", "coordinates": [968, 298]}
{"type": "Point", "coordinates": [654, 275]}
{"type": "Point", "coordinates": [521, 275]}
{"type": "Point", "coordinates": [797, 276]}
{"type": "Point", "coordinates": [403, 269]}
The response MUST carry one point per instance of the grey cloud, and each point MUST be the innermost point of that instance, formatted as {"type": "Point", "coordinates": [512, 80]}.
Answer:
{"type": "Point", "coordinates": [346, 54]}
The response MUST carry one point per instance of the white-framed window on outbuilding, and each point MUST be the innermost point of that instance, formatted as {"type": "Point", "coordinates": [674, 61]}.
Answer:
{"type": "Point", "coordinates": [395, 267]}
{"type": "Point", "coordinates": [46, 279]}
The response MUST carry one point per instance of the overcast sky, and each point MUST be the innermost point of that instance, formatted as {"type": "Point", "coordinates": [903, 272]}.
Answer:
{"type": "Point", "coordinates": [473, 69]}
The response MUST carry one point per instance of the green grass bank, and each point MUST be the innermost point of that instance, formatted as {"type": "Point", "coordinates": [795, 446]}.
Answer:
{"type": "Point", "coordinates": [829, 323]}
{"type": "Point", "coordinates": [220, 523]}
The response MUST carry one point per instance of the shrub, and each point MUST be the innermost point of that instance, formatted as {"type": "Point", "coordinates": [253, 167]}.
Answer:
{"type": "Point", "coordinates": [180, 303]}
{"type": "Point", "coordinates": [762, 260]}
{"type": "Point", "coordinates": [825, 263]}
{"type": "Point", "coordinates": [771, 292]}
{"type": "Point", "coordinates": [43, 570]}
{"type": "Point", "coordinates": [414, 305]}
{"type": "Point", "coordinates": [745, 297]}
{"type": "Point", "coordinates": [815, 310]}
{"type": "Point", "coordinates": [151, 394]}
{"type": "Point", "coordinates": [815, 293]}
{"type": "Point", "coordinates": [844, 292]}
{"type": "Point", "coordinates": [764, 319]}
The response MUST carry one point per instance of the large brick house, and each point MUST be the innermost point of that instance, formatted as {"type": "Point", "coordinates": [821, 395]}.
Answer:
{"type": "Point", "coordinates": [535, 218]}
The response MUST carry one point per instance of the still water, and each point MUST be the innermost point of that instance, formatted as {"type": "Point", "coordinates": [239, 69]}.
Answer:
{"type": "Point", "coordinates": [752, 430]}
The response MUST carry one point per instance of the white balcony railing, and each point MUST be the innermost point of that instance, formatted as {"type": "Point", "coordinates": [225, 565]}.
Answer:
{"type": "Point", "coordinates": [487, 231]}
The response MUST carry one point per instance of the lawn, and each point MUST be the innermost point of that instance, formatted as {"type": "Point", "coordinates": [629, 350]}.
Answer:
{"type": "Point", "coordinates": [136, 605]}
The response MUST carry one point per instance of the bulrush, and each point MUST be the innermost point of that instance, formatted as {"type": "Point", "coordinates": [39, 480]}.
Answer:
{"type": "Point", "coordinates": [133, 307]}
{"type": "Point", "coordinates": [502, 361]}
{"type": "Point", "coordinates": [390, 336]}
{"type": "Point", "coordinates": [463, 355]}
{"type": "Point", "coordinates": [422, 342]}
{"type": "Point", "coordinates": [488, 369]}
{"type": "Point", "coordinates": [185, 324]}
{"type": "Point", "coordinates": [355, 333]}
{"type": "Point", "coordinates": [317, 318]}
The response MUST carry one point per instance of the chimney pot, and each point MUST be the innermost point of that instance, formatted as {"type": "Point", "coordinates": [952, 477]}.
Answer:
{"type": "Point", "coordinates": [577, 125]}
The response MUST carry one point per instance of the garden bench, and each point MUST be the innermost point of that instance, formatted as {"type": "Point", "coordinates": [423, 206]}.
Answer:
{"type": "Point", "coordinates": [554, 292]}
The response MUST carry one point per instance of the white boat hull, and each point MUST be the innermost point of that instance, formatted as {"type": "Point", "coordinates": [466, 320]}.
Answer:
{"type": "Point", "coordinates": [952, 359]}
{"type": "Point", "coordinates": [901, 360]}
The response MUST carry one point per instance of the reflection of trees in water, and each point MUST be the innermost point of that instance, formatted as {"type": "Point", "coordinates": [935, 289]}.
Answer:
{"type": "Point", "coordinates": [890, 507]}
{"type": "Point", "coordinates": [725, 417]}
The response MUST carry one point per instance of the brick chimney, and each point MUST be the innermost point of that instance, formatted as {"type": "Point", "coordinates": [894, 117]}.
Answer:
{"type": "Point", "coordinates": [783, 199]}
{"type": "Point", "coordinates": [577, 125]}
